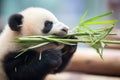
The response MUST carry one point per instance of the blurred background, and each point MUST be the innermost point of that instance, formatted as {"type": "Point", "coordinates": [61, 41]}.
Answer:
{"type": "Point", "coordinates": [69, 12]}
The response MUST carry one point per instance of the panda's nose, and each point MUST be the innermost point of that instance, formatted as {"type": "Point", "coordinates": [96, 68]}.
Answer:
{"type": "Point", "coordinates": [65, 30]}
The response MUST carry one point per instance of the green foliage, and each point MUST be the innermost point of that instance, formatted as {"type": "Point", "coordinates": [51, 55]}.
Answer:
{"type": "Point", "coordinates": [95, 40]}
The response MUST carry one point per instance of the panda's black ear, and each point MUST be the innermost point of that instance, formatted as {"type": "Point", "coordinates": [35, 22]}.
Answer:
{"type": "Point", "coordinates": [15, 21]}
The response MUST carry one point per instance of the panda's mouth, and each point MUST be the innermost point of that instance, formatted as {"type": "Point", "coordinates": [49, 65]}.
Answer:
{"type": "Point", "coordinates": [65, 31]}
{"type": "Point", "coordinates": [61, 33]}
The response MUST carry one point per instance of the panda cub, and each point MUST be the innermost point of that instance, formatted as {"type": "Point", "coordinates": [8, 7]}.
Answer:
{"type": "Point", "coordinates": [54, 58]}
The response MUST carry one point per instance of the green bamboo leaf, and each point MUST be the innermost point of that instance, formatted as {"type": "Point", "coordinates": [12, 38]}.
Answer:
{"type": "Point", "coordinates": [32, 47]}
{"type": "Point", "coordinates": [102, 48]}
{"type": "Point", "coordinates": [87, 29]}
{"type": "Point", "coordinates": [77, 30]}
{"type": "Point", "coordinates": [91, 37]}
{"type": "Point", "coordinates": [102, 22]}
{"type": "Point", "coordinates": [97, 47]}
{"type": "Point", "coordinates": [82, 18]}
{"type": "Point", "coordinates": [102, 36]}
{"type": "Point", "coordinates": [97, 17]}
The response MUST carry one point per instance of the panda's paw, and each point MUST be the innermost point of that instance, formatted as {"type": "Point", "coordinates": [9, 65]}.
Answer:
{"type": "Point", "coordinates": [52, 58]}
{"type": "Point", "coordinates": [59, 46]}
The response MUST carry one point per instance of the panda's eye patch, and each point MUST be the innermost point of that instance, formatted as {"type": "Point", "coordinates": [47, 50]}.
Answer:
{"type": "Point", "coordinates": [47, 26]}
{"type": "Point", "coordinates": [48, 23]}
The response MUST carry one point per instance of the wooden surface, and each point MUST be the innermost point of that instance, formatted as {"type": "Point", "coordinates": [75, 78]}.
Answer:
{"type": "Point", "coordinates": [79, 76]}
{"type": "Point", "coordinates": [88, 61]}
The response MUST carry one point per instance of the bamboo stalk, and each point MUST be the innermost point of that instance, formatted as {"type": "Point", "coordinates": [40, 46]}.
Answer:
{"type": "Point", "coordinates": [39, 40]}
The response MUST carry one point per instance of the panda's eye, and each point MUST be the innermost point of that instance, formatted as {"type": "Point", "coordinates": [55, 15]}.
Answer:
{"type": "Point", "coordinates": [47, 26]}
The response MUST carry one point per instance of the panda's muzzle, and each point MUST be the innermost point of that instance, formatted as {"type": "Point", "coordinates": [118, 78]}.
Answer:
{"type": "Point", "coordinates": [59, 29]}
{"type": "Point", "coordinates": [62, 32]}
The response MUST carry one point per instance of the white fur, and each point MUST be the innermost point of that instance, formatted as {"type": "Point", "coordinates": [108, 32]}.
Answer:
{"type": "Point", "coordinates": [34, 19]}
{"type": "Point", "coordinates": [33, 23]}
{"type": "Point", "coordinates": [6, 45]}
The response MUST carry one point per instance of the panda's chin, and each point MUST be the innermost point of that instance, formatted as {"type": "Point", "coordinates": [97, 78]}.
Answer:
{"type": "Point", "coordinates": [62, 33]}
{"type": "Point", "coordinates": [59, 34]}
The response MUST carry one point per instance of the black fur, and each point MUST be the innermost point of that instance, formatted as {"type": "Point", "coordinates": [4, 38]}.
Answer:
{"type": "Point", "coordinates": [47, 26]}
{"type": "Point", "coordinates": [67, 52]}
{"type": "Point", "coordinates": [15, 21]}
{"type": "Point", "coordinates": [29, 67]}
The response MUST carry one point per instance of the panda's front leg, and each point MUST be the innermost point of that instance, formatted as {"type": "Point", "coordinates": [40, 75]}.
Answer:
{"type": "Point", "coordinates": [50, 60]}
{"type": "Point", "coordinates": [31, 68]}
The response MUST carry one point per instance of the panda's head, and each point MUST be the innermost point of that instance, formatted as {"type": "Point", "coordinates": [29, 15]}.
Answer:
{"type": "Point", "coordinates": [36, 21]}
